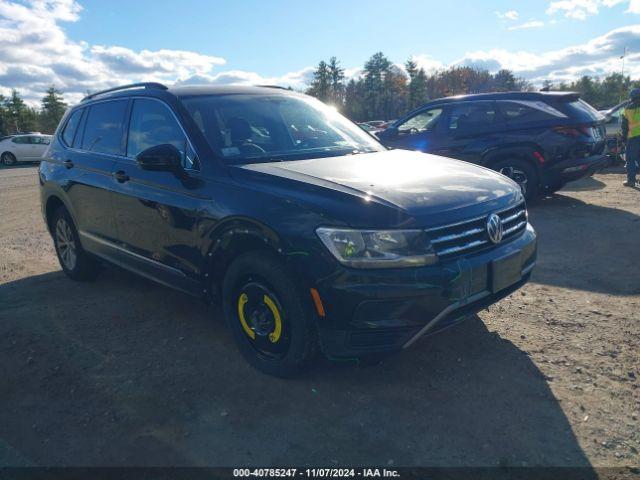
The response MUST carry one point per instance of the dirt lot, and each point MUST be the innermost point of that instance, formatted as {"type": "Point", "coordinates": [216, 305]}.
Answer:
{"type": "Point", "coordinates": [124, 372]}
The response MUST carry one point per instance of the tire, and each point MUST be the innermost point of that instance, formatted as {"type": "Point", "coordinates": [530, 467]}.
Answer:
{"type": "Point", "coordinates": [74, 260]}
{"type": "Point", "coordinates": [521, 172]}
{"type": "Point", "coordinates": [8, 159]}
{"type": "Point", "coordinates": [258, 294]}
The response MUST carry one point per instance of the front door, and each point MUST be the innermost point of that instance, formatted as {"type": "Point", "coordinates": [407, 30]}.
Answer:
{"type": "Point", "coordinates": [418, 132]}
{"type": "Point", "coordinates": [156, 211]}
{"type": "Point", "coordinates": [21, 148]}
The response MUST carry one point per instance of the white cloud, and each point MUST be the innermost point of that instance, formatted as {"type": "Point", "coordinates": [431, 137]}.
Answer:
{"type": "Point", "coordinates": [597, 57]}
{"type": "Point", "coordinates": [35, 53]}
{"type": "Point", "coordinates": [530, 24]}
{"type": "Point", "coordinates": [427, 62]}
{"type": "Point", "coordinates": [509, 15]}
{"type": "Point", "coordinates": [581, 9]}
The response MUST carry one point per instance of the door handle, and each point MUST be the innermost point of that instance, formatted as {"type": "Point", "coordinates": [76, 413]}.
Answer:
{"type": "Point", "coordinates": [68, 163]}
{"type": "Point", "coordinates": [121, 176]}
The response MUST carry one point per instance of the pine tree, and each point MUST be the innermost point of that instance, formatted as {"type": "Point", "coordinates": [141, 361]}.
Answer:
{"type": "Point", "coordinates": [336, 74]}
{"type": "Point", "coordinates": [20, 117]}
{"type": "Point", "coordinates": [53, 108]}
{"type": "Point", "coordinates": [321, 84]}
{"type": "Point", "coordinates": [375, 70]}
{"type": "Point", "coordinates": [4, 124]}
{"type": "Point", "coordinates": [418, 94]}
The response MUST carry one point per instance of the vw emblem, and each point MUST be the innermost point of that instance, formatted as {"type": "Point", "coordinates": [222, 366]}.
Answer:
{"type": "Point", "coordinates": [494, 228]}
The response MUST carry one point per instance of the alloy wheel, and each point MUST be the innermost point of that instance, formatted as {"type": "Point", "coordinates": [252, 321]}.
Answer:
{"type": "Point", "coordinates": [66, 244]}
{"type": "Point", "coordinates": [518, 176]}
{"type": "Point", "coordinates": [7, 159]}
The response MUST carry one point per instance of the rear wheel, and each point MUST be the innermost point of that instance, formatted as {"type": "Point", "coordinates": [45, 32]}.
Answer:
{"type": "Point", "coordinates": [272, 325]}
{"type": "Point", "coordinates": [521, 172]}
{"type": "Point", "coordinates": [8, 159]}
{"type": "Point", "coordinates": [74, 260]}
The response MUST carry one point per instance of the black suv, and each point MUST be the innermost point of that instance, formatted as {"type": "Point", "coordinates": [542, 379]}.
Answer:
{"type": "Point", "coordinates": [310, 233]}
{"type": "Point", "coordinates": [542, 140]}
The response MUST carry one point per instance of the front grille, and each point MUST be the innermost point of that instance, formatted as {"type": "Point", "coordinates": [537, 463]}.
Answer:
{"type": "Point", "coordinates": [471, 235]}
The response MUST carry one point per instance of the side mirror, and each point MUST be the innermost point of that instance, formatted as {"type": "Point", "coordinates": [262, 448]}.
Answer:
{"type": "Point", "coordinates": [160, 157]}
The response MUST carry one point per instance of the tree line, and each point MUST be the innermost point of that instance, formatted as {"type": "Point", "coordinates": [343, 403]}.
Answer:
{"type": "Point", "coordinates": [384, 91]}
{"type": "Point", "coordinates": [601, 93]}
{"type": "Point", "coordinates": [16, 116]}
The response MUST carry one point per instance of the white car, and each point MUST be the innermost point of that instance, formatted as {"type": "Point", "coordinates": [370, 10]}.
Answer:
{"type": "Point", "coordinates": [23, 148]}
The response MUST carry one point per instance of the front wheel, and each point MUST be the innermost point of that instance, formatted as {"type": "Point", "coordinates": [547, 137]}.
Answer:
{"type": "Point", "coordinates": [8, 159]}
{"type": "Point", "coordinates": [521, 172]}
{"type": "Point", "coordinates": [272, 325]}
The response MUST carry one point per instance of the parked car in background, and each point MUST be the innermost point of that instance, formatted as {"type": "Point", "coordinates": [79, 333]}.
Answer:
{"type": "Point", "coordinates": [23, 148]}
{"type": "Point", "coordinates": [540, 140]}
{"type": "Point", "coordinates": [311, 234]}
{"type": "Point", "coordinates": [370, 128]}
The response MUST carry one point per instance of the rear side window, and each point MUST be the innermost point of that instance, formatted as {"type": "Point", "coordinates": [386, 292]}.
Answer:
{"type": "Point", "coordinates": [471, 117]}
{"type": "Point", "coordinates": [103, 129]}
{"type": "Point", "coordinates": [40, 140]}
{"type": "Point", "coordinates": [580, 111]}
{"type": "Point", "coordinates": [526, 111]}
{"type": "Point", "coordinates": [70, 128]}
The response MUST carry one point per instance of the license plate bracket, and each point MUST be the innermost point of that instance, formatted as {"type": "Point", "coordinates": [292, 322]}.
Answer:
{"type": "Point", "coordinates": [506, 271]}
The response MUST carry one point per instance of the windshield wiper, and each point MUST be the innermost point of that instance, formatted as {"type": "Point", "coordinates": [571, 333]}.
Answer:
{"type": "Point", "coordinates": [283, 157]}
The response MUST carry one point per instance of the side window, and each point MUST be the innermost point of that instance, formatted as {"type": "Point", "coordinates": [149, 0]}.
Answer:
{"type": "Point", "coordinates": [103, 130]}
{"type": "Point", "coordinates": [528, 111]}
{"type": "Point", "coordinates": [152, 123]}
{"type": "Point", "coordinates": [471, 117]}
{"type": "Point", "coordinates": [70, 128]}
{"type": "Point", "coordinates": [424, 121]}
{"type": "Point", "coordinates": [40, 140]}
{"type": "Point", "coordinates": [20, 140]}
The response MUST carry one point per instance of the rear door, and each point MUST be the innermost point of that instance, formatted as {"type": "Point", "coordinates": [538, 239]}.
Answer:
{"type": "Point", "coordinates": [469, 129]}
{"type": "Point", "coordinates": [94, 137]}
{"type": "Point", "coordinates": [39, 144]}
{"type": "Point", "coordinates": [157, 211]}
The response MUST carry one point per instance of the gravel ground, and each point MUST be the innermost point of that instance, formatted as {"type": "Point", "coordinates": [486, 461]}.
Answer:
{"type": "Point", "coordinates": [121, 371]}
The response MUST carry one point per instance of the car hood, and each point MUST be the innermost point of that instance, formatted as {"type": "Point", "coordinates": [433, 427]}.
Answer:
{"type": "Point", "coordinates": [415, 182]}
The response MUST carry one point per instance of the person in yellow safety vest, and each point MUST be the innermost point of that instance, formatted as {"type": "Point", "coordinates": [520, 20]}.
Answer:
{"type": "Point", "coordinates": [631, 135]}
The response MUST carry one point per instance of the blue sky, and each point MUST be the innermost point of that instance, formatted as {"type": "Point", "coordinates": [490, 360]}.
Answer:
{"type": "Point", "coordinates": [89, 44]}
{"type": "Point", "coordinates": [278, 36]}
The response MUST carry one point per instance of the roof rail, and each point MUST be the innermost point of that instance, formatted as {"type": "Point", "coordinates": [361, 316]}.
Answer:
{"type": "Point", "coordinates": [154, 85]}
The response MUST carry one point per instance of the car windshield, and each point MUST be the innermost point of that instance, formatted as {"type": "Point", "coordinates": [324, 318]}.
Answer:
{"type": "Point", "coordinates": [246, 128]}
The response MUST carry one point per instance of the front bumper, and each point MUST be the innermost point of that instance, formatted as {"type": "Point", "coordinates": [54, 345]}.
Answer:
{"type": "Point", "coordinates": [573, 169]}
{"type": "Point", "coordinates": [377, 311]}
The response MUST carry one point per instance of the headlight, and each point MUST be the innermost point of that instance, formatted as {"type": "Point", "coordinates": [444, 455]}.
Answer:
{"type": "Point", "coordinates": [378, 248]}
